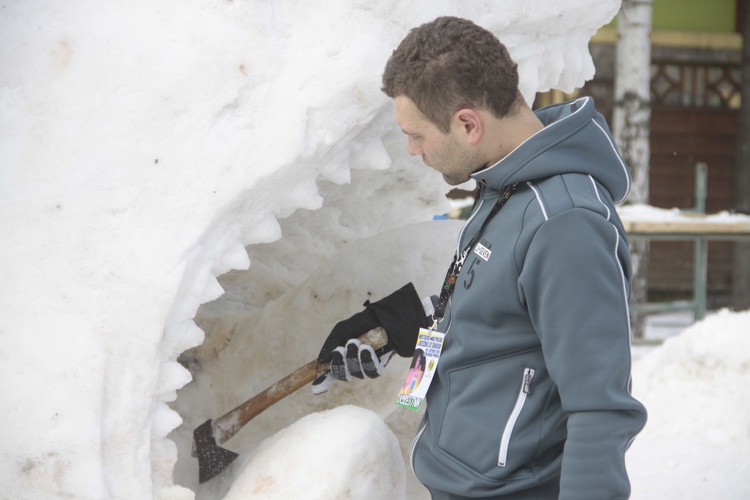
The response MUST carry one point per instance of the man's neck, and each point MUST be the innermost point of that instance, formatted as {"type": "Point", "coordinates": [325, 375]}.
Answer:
{"type": "Point", "coordinates": [503, 135]}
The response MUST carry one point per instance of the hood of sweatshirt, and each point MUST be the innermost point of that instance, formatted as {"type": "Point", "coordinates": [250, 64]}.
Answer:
{"type": "Point", "coordinates": [575, 139]}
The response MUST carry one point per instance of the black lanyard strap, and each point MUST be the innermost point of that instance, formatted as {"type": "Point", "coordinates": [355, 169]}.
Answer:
{"type": "Point", "coordinates": [458, 260]}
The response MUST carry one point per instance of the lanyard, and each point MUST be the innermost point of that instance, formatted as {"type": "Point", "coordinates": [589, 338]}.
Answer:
{"type": "Point", "coordinates": [458, 260]}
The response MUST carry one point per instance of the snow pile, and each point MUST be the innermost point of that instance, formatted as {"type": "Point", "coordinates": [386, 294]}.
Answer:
{"type": "Point", "coordinates": [697, 439]}
{"type": "Point", "coordinates": [352, 454]}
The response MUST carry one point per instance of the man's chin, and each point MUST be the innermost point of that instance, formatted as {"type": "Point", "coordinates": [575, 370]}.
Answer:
{"type": "Point", "coordinates": [452, 181]}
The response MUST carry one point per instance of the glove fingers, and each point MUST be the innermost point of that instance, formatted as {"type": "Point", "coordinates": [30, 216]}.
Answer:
{"type": "Point", "coordinates": [370, 363]}
{"type": "Point", "coordinates": [352, 358]}
{"type": "Point", "coordinates": [338, 365]}
{"type": "Point", "coordinates": [321, 384]}
{"type": "Point", "coordinates": [355, 360]}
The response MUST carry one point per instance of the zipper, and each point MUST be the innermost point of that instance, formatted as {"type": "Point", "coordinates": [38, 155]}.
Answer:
{"type": "Point", "coordinates": [528, 375]}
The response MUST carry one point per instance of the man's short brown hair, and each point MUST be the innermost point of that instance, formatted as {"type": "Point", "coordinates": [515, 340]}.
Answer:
{"type": "Point", "coordinates": [449, 64]}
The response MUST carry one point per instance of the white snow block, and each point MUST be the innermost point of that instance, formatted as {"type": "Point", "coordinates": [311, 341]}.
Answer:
{"type": "Point", "coordinates": [344, 453]}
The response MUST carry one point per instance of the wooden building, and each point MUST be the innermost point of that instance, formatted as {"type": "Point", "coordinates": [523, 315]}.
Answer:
{"type": "Point", "coordinates": [695, 99]}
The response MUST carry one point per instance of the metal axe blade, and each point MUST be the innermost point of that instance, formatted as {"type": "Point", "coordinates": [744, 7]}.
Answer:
{"type": "Point", "coordinates": [212, 458]}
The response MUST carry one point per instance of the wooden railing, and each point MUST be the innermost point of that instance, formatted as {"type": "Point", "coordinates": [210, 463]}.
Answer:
{"type": "Point", "coordinates": [692, 225]}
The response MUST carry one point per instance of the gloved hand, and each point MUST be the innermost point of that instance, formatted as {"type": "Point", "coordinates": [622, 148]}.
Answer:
{"type": "Point", "coordinates": [401, 315]}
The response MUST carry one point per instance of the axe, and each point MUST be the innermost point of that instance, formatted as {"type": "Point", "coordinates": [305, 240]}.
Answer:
{"type": "Point", "coordinates": [207, 438]}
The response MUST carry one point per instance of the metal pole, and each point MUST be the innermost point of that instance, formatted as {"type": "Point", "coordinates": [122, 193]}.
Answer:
{"type": "Point", "coordinates": [700, 277]}
{"type": "Point", "coordinates": [701, 186]}
{"type": "Point", "coordinates": [700, 245]}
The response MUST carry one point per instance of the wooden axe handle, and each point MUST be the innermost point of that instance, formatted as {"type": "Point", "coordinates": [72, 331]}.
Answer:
{"type": "Point", "coordinates": [231, 422]}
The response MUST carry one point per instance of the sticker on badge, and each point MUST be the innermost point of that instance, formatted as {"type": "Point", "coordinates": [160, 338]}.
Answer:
{"type": "Point", "coordinates": [422, 369]}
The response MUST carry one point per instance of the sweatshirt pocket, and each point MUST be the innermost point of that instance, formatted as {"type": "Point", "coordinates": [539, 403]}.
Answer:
{"type": "Point", "coordinates": [475, 404]}
{"type": "Point", "coordinates": [525, 390]}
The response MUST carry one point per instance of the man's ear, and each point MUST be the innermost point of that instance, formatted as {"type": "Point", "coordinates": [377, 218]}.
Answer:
{"type": "Point", "coordinates": [470, 123]}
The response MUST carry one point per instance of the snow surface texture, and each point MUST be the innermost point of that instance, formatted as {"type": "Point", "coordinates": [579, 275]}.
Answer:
{"type": "Point", "coordinates": [695, 386]}
{"type": "Point", "coordinates": [148, 148]}
{"type": "Point", "coordinates": [280, 471]}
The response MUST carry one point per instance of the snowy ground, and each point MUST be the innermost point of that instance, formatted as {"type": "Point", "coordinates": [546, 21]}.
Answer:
{"type": "Point", "coordinates": [157, 156]}
{"type": "Point", "coordinates": [695, 386]}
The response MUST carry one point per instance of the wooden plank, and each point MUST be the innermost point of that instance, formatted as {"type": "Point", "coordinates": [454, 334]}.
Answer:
{"type": "Point", "coordinates": [693, 121]}
{"type": "Point", "coordinates": [687, 227]}
{"type": "Point", "coordinates": [718, 145]}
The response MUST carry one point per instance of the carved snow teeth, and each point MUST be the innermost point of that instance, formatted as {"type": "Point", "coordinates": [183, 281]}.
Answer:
{"type": "Point", "coordinates": [131, 191]}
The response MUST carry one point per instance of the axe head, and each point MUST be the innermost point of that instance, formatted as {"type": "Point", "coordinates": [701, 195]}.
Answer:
{"type": "Point", "coordinates": [212, 458]}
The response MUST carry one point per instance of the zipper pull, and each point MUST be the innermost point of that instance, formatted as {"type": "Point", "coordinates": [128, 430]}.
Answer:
{"type": "Point", "coordinates": [528, 374]}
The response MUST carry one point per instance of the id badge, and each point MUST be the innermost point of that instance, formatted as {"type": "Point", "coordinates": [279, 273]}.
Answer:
{"type": "Point", "coordinates": [422, 368]}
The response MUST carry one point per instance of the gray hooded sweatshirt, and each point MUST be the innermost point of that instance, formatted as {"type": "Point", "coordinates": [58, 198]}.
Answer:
{"type": "Point", "coordinates": [533, 385]}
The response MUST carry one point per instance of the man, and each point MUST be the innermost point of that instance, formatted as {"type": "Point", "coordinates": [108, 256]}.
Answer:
{"type": "Point", "coordinates": [531, 396]}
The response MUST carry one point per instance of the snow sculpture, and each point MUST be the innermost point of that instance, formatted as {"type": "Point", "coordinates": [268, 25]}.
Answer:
{"type": "Point", "coordinates": [144, 146]}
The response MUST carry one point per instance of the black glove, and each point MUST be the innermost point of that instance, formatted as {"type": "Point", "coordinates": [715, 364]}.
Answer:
{"type": "Point", "coordinates": [401, 315]}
